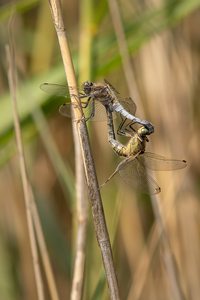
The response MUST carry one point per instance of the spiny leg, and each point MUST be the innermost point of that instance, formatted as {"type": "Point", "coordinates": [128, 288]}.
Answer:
{"type": "Point", "coordinates": [85, 104]}
{"type": "Point", "coordinates": [93, 109]}
{"type": "Point", "coordinates": [122, 129]}
{"type": "Point", "coordinates": [130, 126]}
{"type": "Point", "coordinates": [119, 130]}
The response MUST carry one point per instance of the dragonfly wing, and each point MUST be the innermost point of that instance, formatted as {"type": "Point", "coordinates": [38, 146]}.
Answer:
{"type": "Point", "coordinates": [111, 86]}
{"type": "Point", "coordinates": [160, 163]}
{"type": "Point", "coordinates": [65, 110]}
{"type": "Point", "coordinates": [99, 116]}
{"type": "Point", "coordinates": [55, 89]}
{"type": "Point", "coordinates": [128, 104]}
{"type": "Point", "coordinates": [134, 174]}
{"type": "Point", "coordinates": [99, 113]}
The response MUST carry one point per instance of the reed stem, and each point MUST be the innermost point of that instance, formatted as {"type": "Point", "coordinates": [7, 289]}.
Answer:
{"type": "Point", "coordinates": [91, 178]}
{"type": "Point", "coordinates": [24, 176]}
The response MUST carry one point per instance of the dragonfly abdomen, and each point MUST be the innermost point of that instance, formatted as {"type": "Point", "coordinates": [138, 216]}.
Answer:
{"type": "Point", "coordinates": [120, 109]}
{"type": "Point", "coordinates": [117, 107]}
{"type": "Point", "coordinates": [111, 132]}
{"type": "Point", "coordinates": [117, 147]}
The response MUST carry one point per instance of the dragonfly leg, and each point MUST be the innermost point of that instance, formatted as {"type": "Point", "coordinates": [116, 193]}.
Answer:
{"type": "Point", "coordinates": [85, 104]}
{"type": "Point", "coordinates": [145, 123]}
{"type": "Point", "coordinates": [119, 130]}
{"type": "Point", "coordinates": [93, 110]}
{"type": "Point", "coordinates": [130, 125]}
{"type": "Point", "coordinates": [82, 95]}
{"type": "Point", "coordinates": [122, 127]}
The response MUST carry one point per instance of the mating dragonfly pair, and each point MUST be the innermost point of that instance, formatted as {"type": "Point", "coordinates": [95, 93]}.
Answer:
{"type": "Point", "coordinates": [133, 168]}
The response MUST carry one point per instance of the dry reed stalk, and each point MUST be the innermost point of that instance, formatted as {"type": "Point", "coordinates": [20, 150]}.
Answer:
{"type": "Point", "coordinates": [130, 78]}
{"type": "Point", "coordinates": [91, 179]}
{"type": "Point", "coordinates": [169, 258]}
{"type": "Point", "coordinates": [166, 88]}
{"type": "Point", "coordinates": [82, 221]}
{"type": "Point", "coordinates": [145, 261]}
{"type": "Point", "coordinates": [43, 250]}
{"type": "Point", "coordinates": [31, 208]}
{"type": "Point", "coordinates": [24, 177]}
{"type": "Point", "coordinates": [143, 266]}
{"type": "Point", "coordinates": [62, 172]}
{"type": "Point", "coordinates": [123, 49]}
{"type": "Point", "coordinates": [81, 200]}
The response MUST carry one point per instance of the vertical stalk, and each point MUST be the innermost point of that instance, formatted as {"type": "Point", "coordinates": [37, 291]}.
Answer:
{"type": "Point", "coordinates": [81, 201]}
{"type": "Point", "coordinates": [24, 176]}
{"type": "Point", "coordinates": [169, 259]}
{"type": "Point", "coordinates": [91, 179]}
{"type": "Point", "coordinates": [123, 49]}
{"type": "Point", "coordinates": [33, 219]}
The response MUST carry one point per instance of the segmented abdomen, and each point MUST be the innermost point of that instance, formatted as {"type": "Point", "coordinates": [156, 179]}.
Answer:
{"type": "Point", "coordinates": [118, 148]}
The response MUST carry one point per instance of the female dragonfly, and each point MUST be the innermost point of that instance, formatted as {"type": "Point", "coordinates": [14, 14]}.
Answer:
{"type": "Point", "coordinates": [133, 168]}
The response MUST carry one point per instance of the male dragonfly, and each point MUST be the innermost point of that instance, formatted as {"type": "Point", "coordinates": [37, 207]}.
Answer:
{"type": "Point", "coordinates": [133, 168]}
{"type": "Point", "coordinates": [99, 93]}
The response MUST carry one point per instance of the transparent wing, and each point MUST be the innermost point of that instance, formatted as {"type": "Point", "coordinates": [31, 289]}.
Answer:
{"type": "Point", "coordinates": [65, 110]}
{"type": "Point", "coordinates": [128, 104]}
{"type": "Point", "coordinates": [160, 163]}
{"type": "Point", "coordinates": [55, 89]}
{"type": "Point", "coordinates": [134, 174]}
{"type": "Point", "coordinates": [111, 86]}
{"type": "Point", "coordinates": [99, 113]}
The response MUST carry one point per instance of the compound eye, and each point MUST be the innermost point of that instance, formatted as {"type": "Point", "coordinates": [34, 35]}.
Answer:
{"type": "Point", "coordinates": [87, 84]}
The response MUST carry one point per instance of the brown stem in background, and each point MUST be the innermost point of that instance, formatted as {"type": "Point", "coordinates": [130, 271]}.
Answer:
{"type": "Point", "coordinates": [31, 208]}
{"type": "Point", "coordinates": [43, 250]}
{"type": "Point", "coordinates": [24, 177]}
{"type": "Point", "coordinates": [123, 49]}
{"type": "Point", "coordinates": [94, 194]}
{"type": "Point", "coordinates": [169, 259]}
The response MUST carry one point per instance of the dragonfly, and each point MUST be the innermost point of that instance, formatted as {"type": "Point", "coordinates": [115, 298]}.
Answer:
{"type": "Point", "coordinates": [96, 93]}
{"type": "Point", "coordinates": [133, 168]}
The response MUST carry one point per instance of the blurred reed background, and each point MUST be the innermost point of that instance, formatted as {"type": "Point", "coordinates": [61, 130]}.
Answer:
{"type": "Point", "coordinates": [163, 39]}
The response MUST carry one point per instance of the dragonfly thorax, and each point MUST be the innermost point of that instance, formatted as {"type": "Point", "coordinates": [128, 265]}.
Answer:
{"type": "Point", "coordinates": [100, 92]}
{"type": "Point", "coordinates": [136, 145]}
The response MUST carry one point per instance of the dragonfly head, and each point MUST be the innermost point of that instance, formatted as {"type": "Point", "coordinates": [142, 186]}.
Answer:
{"type": "Point", "coordinates": [143, 131]}
{"type": "Point", "coordinates": [87, 87]}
